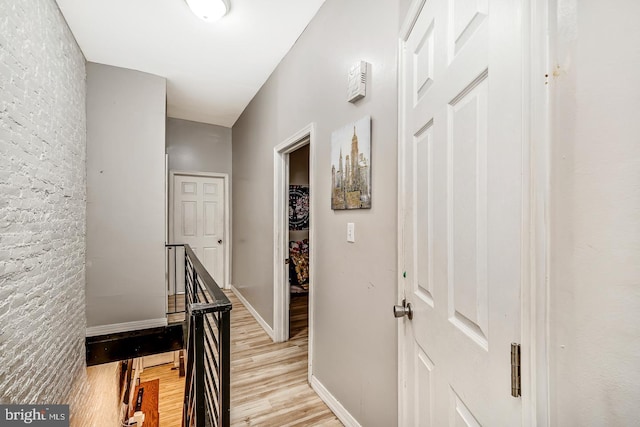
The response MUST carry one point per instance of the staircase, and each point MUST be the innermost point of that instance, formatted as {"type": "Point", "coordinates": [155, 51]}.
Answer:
{"type": "Point", "coordinates": [200, 323]}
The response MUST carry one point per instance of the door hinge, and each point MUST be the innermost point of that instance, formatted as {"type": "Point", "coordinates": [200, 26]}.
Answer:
{"type": "Point", "coordinates": [515, 370]}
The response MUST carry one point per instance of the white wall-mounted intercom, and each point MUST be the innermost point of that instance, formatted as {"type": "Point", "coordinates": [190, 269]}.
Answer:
{"type": "Point", "coordinates": [357, 81]}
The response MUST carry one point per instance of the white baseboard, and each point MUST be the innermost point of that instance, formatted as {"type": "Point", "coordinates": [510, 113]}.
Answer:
{"type": "Point", "coordinates": [268, 329]}
{"type": "Point", "coordinates": [343, 415]}
{"type": "Point", "coordinates": [114, 328]}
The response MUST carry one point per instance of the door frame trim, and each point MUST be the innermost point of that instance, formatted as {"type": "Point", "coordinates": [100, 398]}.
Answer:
{"type": "Point", "coordinates": [227, 214]}
{"type": "Point", "coordinates": [281, 291]}
{"type": "Point", "coordinates": [405, 30]}
{"type": "Point", "coordinates": [536, 229]}
{"type": "Point", "coordinates": [536, 161]}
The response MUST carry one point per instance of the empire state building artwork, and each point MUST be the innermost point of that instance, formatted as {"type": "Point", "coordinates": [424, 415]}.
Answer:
{"type": "Point", "coordinates": [351, 166]}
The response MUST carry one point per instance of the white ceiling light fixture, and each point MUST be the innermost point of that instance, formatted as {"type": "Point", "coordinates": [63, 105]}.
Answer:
{"type": "Point", "coordinates": [209, 10]}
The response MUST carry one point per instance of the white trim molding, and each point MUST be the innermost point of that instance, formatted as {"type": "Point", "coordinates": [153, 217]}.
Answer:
{"type": "Point", "coordinates": [227, 215]}
{"type": "Point", "coordinates": [114, 328]}
{"type": "Point", "coordinates": [400, 291]}
{"type": "Point", "coordinates": [405, 30]}
{"type": "Point", "coordinates": [281, 291]}
{"type": "Point", "coordinates": [336, 407]}
{"type": "Point", "coordinates": [537, 164]}
{"type": "Point", "coordinates": [253, 312]}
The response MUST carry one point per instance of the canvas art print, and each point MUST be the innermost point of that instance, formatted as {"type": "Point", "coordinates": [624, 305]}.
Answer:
{"type": "Point", "coordinates": [351, 166]}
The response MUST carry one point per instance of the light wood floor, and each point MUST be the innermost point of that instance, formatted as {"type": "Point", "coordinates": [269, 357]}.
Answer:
{"type": "Point", "coordinates": [268, 381]}
{"type": "Point", "coordinates": [171, 394]}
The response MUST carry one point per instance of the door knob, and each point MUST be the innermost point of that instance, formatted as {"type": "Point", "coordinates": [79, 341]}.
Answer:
{"type": "Point", "coordinates": [220, 241]}
{"type": "Point", "coordinates": [403, 310]}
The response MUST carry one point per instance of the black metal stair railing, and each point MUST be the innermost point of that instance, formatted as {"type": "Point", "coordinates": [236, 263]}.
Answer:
{"type": "Point", "coordinates": [175, 282]}
{"type": "Point", "coordinates": [208, 361]}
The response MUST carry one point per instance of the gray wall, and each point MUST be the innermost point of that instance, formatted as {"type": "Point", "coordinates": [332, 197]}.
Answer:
{"type": "Point", "coordinates": [355, 348]}
{"type": "Point", "coordinates": [198, 147]}
{"type": "Point", "coordinates": [42, 206]}
{"type": "Point", "coordinates": [125, 195]}
{"type": "Point", "coordinates": [595, 215]}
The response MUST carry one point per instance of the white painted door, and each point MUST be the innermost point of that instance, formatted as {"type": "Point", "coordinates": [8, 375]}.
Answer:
{"type": "Point", "coordinates": [198, 220]}
{"type": "Point", "coordinates": [461, 244]}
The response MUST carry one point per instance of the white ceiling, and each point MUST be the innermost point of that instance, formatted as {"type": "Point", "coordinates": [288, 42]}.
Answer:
{"type": "Point", "coordinates": [213, 69]}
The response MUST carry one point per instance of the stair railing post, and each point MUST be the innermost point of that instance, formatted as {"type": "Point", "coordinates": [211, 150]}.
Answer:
{"type": "Point", "coordinates": [188, 384]}
{"type": "Point", "coordinates": [199, 370]}
{"type": "Point", "coordinates": [225, 368]}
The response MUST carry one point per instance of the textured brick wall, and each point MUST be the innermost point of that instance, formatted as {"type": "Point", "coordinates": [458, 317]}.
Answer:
{"type": "Point", "coordinates": [42, 205]}
{"type": "Point", "coordinates": [100, 402]}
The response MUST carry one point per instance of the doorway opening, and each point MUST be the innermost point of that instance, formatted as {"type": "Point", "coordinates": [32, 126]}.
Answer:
{"type": "Point", "coordinates": [294, 237]}
{"type": "Point", "coordinates": [298, 241]}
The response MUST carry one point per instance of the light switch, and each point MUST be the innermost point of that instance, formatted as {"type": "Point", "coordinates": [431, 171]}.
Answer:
{"type": "Point", "coordinates": [351, 232]}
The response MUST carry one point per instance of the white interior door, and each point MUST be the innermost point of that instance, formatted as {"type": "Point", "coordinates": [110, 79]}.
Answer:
{"type": "Point", "coordinates": [461, 245]}
{"type": "Point", "coordinates": [198, 220]}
